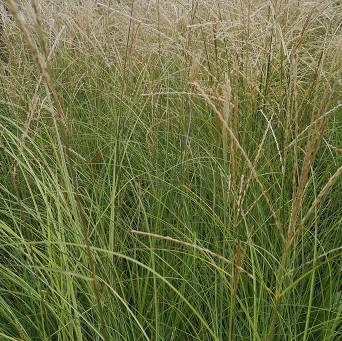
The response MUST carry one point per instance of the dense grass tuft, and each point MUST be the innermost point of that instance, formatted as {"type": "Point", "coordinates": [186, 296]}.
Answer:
{"type": "Point", "coordinates": [171, 170]}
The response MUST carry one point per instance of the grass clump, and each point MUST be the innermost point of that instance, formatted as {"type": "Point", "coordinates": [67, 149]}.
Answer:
{"type": "Point", "coordinates": [170, 171]}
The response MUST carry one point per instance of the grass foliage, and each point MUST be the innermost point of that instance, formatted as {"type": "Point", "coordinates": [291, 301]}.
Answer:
{"type": "Point", "coordinates": [170, 170]}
